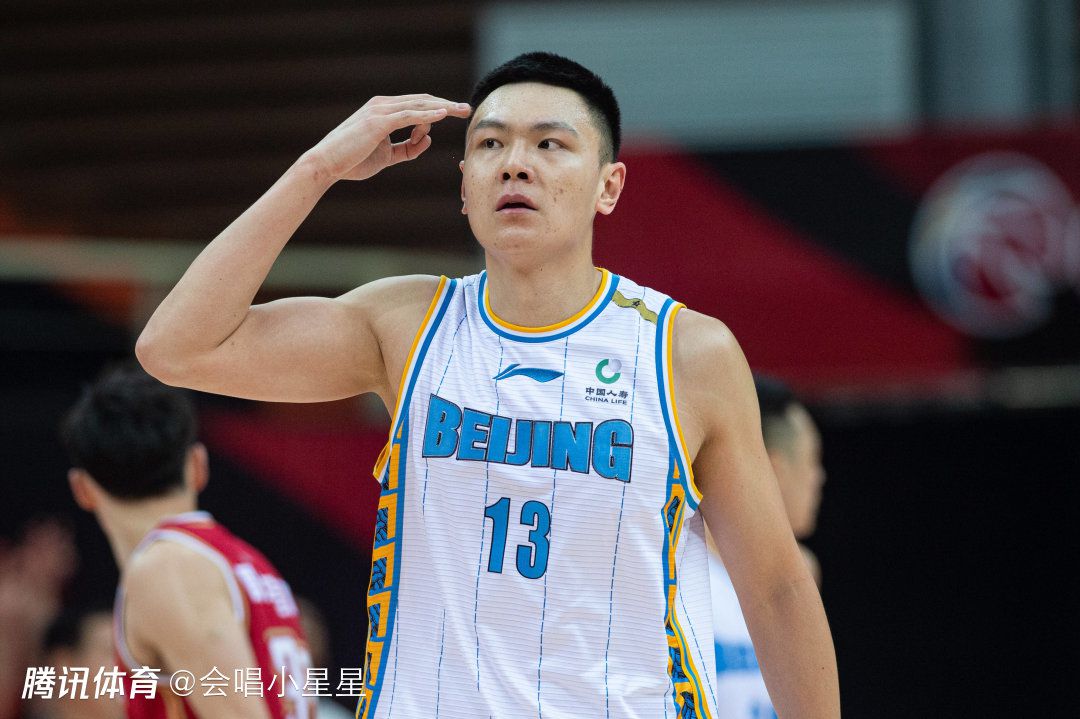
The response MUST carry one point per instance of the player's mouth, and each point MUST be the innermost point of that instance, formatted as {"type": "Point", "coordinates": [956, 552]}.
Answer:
{"type": "Point", "coordinates": [514, 204]}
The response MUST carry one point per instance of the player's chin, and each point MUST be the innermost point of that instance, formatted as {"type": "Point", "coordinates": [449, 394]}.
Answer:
{"type": "Point", "coordinates": [520, 241]}
{"type": "Point", "coordinates": [516, 227]}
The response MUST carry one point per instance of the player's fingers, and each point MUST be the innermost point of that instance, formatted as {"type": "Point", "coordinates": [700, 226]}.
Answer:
{"type": "Point", "coordinates": [418, 133]}
{"type": "Point", "coordinates": [408, 150]}
{"type": "Point", "coordinates": [384, 105]}
{"type": "Point", "coordinates": [406, 118]}
{"type": "Point", "coordinates": [457, 109]}
{"type": "Point", "coordinates": [392, 99]}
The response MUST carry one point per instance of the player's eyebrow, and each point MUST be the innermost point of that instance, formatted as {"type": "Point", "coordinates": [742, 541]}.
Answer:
{"type": "Point", "coordinates": [545, 126]}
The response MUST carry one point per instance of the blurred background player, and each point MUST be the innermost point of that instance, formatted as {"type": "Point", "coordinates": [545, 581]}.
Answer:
{"type": "Point", "coordinates": [34, 573]}
{"type": "Point", "coordinates": [192, 596]}
{"type": "Point", "coordinates": [318, 638]}
{"type": "Point", "coordinates": [79, 639]}
{"type": "Point", "coordinates": [793, 443]}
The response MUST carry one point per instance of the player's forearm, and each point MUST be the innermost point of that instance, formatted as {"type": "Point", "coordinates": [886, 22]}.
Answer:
{"type": "Point", "coordinates": [792, 639]}
{"type": "Point", "coordinates": [212, 299]}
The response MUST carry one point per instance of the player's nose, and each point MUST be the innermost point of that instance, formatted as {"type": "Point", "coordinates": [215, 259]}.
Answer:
{"type": "Point", "coordinates": [516, 164]}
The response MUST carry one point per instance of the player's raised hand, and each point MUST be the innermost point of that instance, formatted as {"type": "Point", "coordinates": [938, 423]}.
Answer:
{"type": "Point", "coordinates": [360, 147]}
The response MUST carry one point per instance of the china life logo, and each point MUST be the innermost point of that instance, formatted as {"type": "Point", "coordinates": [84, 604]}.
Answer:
{"type": "Point", "coordinates": [608, 371]}
{"type": "Point", "coordinates": [995, 239]}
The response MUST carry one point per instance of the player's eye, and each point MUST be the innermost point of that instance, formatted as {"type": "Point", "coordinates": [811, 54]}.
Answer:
{"type": "Point", "coordinates": [490, 143]}
{"type": "Point", "coordinates": [548, 144]}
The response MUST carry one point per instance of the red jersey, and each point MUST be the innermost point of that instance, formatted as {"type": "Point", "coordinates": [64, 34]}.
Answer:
{"type": "Point", "coordinates": [261, 601]}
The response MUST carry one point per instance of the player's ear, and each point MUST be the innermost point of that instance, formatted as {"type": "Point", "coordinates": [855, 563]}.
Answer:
{"type": "Point", "coordinates": [83, 489]}
{"type": "Point", "coordinates": [614, 178]}
{"type": "Point", "coordinates": [197, 471]}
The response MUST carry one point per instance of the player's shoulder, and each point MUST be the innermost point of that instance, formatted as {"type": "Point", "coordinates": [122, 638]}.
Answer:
{"type": "Point", "coordinates": [703, 347]}
{"type": "Point", "coordinates": [177, 589]}
{"type": "Point", "coordinates": [166, 570]}
{"type": "Point", "coordinates": [397, 291]}
{"type": "Point", "coordinates": [393, 307]}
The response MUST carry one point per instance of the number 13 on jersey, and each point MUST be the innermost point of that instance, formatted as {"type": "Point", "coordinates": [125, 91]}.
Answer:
{"type": "Point", "coordinates": [532, 558]}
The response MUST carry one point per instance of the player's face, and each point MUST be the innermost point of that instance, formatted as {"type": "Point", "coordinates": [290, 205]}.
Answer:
{"type": "Point", "coordinates": [532, 177]}
{"type": "Point", "coordinates": [800, 473]}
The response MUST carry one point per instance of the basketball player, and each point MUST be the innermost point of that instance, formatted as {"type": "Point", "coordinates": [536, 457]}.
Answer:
{"type": "Point", "coordinates": [192, 597]}
{"type": "Point", "coordinates": [794, 447]}
{"type": "Point", "coordinates": [539, 548]}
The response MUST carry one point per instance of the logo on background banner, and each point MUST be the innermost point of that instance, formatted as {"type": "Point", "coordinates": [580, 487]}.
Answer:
{"type": "Point", "coordinates": [607, 371]}
{"type": "Point", "coordinates": [536, 373]}
{"type": "Point", "coordinates": [994, 240]}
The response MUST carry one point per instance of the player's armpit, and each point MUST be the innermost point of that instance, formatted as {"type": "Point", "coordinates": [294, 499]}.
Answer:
{"type": "Point", "coordinates": [310, 349]}
{"type": "Point", "coordinates": [179, 613]}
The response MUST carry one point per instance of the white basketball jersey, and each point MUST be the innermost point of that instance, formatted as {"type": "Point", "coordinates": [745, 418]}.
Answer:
{"type": "Point", "coordinates": [537, 549]}
{"type": "Point", "coordinates": [740, 688]}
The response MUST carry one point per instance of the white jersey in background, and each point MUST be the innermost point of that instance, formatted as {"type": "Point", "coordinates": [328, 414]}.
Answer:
{"type": "Point", "coordinates": [538, 552]}
{"type": "Point", "coordinates": [740, 688]}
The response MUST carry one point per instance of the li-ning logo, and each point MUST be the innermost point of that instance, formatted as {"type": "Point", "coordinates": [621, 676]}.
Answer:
{"type": "Point", "coordinates": [536, 373]}
{"type": "Point", "coordinates": [608, 364]}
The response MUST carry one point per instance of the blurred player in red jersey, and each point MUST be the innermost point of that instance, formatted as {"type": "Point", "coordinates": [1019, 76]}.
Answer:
{"type": "Point", "coordinates": [192, 597]}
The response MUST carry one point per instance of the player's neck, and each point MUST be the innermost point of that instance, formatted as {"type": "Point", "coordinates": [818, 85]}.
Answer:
{"type": "Point", "coordinates": [126, 523]}
{"type": "Point", "coordinates": [541, 294]}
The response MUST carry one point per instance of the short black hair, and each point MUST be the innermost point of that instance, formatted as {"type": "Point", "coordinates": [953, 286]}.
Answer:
{"type": "Point", "coordinates": [131, 433]}
{"type": "Point", "coordinates": [556, 70]}
{"type": "Point", "coordinates": [775, 400]}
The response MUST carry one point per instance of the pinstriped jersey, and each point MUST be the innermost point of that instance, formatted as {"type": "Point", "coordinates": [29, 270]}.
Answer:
{"type": "Point", "coordinates": [538, 551]}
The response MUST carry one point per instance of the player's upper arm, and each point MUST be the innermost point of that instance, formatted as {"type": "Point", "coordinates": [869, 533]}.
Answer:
{"type": "Point", "coordinates": [312, 349]}
{"type": "Point", "coordinates": [741, 502]}
{"type": "Point", "coordinates": [179, 612]}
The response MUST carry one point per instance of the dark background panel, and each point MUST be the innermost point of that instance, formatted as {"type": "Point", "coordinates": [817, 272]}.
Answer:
{"type": "Point", "coordinates": [948, 545]}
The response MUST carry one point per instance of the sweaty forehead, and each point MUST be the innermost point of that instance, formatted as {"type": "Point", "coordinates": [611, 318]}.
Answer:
{"type": "Point", "coordinates": [529, 103]}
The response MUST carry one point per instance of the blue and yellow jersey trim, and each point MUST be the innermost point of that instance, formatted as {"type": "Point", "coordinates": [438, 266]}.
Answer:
{"type": "Point", "coordinates": [608, 284]}
{"type": "Point", "coordinates": [390, 471]}
{"type": "Point", "coordinates": [682, 494]}
{"type": "Point", "coordinates": [688, 693]}
{"type": "Point", "coordinates": [665, 326]}
{"type": "Point", "coordinates": [432, 318]}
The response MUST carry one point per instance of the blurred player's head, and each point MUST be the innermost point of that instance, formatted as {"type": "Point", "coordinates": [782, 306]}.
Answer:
{"type": "Point", "coordinates": [133, 438]}
{"type": "Point", "coordinates": [794, 446]}
{"type": "Point", "coordinates": [540, 157]}
{"type": "Point", "coordinates": [82, 639]}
